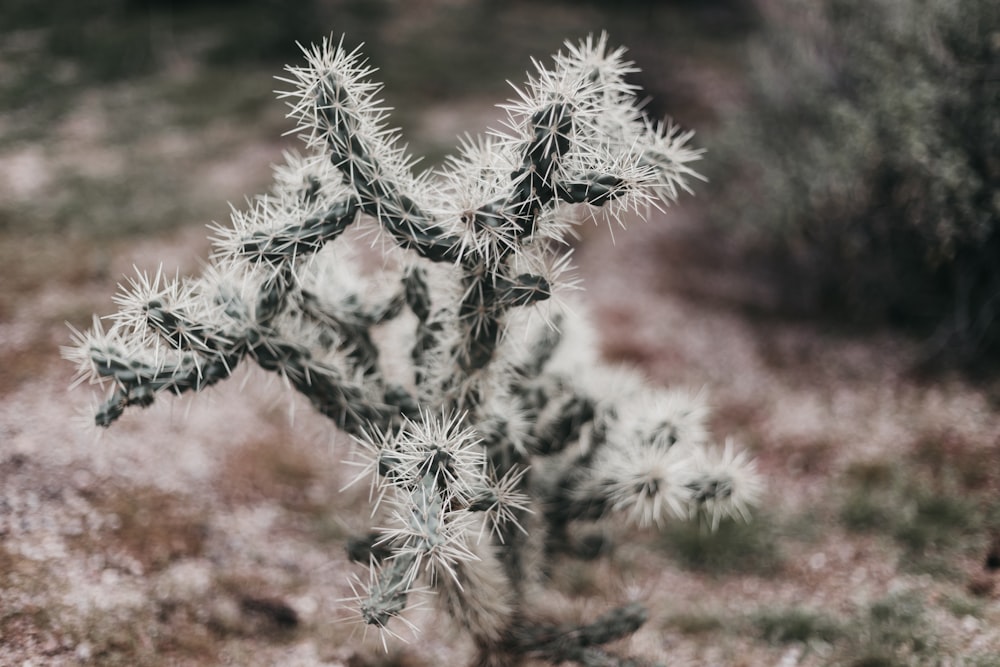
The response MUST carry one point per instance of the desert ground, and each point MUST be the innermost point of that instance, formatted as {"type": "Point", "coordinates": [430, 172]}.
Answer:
{"type": "Point", "coordinates": [212, 530]}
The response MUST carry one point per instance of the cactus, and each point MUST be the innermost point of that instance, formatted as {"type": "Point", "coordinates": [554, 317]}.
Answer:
{"type": "Point", "coordinates": [502, 427]}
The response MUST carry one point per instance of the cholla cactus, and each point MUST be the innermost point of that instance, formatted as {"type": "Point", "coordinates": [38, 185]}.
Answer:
{"type": "Point", "coordinates": [500, 429]}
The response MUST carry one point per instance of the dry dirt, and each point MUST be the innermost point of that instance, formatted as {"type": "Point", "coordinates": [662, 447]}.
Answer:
{"type": "Point", "coordinates": [212, 531]}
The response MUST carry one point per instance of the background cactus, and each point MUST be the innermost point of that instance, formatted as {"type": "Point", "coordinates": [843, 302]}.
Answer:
{"type": "Point", "coordinates": [486, 421]}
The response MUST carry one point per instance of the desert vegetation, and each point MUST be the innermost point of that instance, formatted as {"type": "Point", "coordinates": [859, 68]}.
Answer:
{"type": "Point", "coordinates": [873, 132]}
{"type": "Point", "coordinates": [219, 530]}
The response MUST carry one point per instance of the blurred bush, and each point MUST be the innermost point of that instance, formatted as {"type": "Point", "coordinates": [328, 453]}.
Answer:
{"type": "Point", "coordinates": [110, 40]}
{"type": "Point", "coordinates": [866, 161]}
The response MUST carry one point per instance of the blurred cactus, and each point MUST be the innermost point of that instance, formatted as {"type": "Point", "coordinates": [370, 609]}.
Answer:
{"type": "Point", "coordinates": [494, 430]}
{"type": "Point", "coordinates": [870, 149]}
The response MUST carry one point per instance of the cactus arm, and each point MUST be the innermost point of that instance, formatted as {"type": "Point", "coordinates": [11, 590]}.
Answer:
{"type": "Point", "coordinates": [341, 114]}
{"type": "Point", "coordinates": [533, 184]}
{"type": "Point", "coordinates": [560, 423]}
{"type": "Point", "coordinates": [137, 383]}
{"type": "Point", "coordinates": [299, 239]}
{"type": "Point", "coordinates": [591, 188]}
{"type": "Point", "coordinates": [427, 336]}
{"type": "Point", "coordinates": [352, 329]}
{"type": "Point", "coordinates": [388, 591]}
{"type": "Point", "coordinates": [577, 644]}
{"type": "Point", "coordinates": [350, 404]}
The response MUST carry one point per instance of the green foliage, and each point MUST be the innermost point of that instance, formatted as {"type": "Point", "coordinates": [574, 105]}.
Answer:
{"type": "Point", "coordinates": [695, 622]}
{"type": "Point", "coordinates": [796, 625]}
{"type": "Point", "coordinates": [961, 605]}
{"type": "Point", "coordinates": [893, 632]}
{"type": "Point", "coordinates": [932, 521]}
{"type": "Point", "coordinates": [869, 156]}
{"type": "Point", "coordinates": [733, 548]}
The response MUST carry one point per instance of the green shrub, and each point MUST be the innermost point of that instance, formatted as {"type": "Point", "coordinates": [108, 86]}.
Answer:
{"type": "Point", "coordinates": [733, 548]}
{"type": "Point", "coordinates": [934, 523]}
{"type": "Point", "coordinates": [796, 625]}
{"type": "Point", "coordinates": [869, 152]}
{"type": "Point", "coordinates": [894, 632]}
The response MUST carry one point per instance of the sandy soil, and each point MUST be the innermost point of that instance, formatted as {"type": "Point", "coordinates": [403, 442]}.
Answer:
{"type": "Point", "coordinates": [212, 531]}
